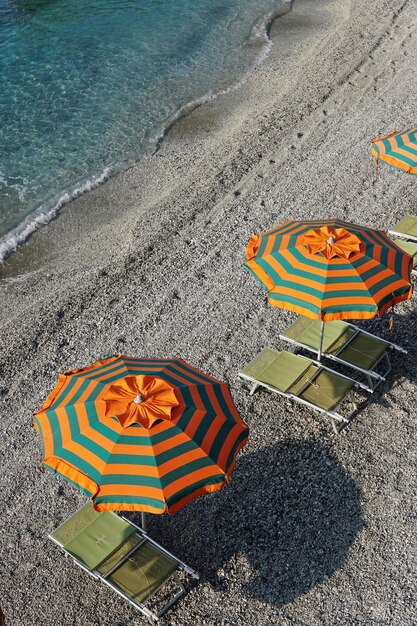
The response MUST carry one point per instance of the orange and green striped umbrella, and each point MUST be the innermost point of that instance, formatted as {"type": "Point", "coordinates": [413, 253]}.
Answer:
{"type": "Point", "coordinates": [398, 149]}
{"type": "Point", "coordinates": [140, 434]}
{"type": "Point", "coordinates": [330, 269]}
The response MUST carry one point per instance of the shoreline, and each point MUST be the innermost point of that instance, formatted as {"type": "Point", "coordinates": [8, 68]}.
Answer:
{"type": "Point", "coordinates": [150, 264]}
{"type": "Point", "coordinates": [32, 253]}
{"type": "Point", "coordinates": [17, 237]}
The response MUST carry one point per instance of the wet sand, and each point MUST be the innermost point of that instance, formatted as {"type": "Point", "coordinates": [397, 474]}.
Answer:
{"type": "Point", "coordinates": [313, 529]}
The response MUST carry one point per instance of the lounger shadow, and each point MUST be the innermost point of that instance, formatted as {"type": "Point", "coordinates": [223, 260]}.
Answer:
{"type": "Point", "coordinates": [303, 380]}
{"type": "Point", "coordinates": [346, 344]}
{"type": "Point", "coordinates": [124, 557]}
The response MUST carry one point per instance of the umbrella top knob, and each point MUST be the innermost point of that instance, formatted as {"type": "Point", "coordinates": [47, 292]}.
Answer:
{"type": "Point", "coordinates": [141, 399]}
{"type": "Point", "coordinates": [331, 242]}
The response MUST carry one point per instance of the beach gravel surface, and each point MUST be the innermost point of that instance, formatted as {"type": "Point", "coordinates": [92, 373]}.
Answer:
{"type": "Point", "coordinates": [313, 529]}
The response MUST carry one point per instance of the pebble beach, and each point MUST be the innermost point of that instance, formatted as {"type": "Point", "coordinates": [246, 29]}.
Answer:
{"type": "Point", "coordinates": [313, 529]}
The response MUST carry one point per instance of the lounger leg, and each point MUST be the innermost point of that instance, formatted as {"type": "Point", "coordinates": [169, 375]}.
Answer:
{"type": "Point", "coordinates": [336, 419]}
{"type": "Point", "coordinates": [348, 419]}
{"type": "Point", "coordinates": [176, 595]}
{"type": "Point", "coordinates": [336, 428]}
{"type": "Point", "coordinates": [388, 362]}
{"type": "Point", "coordinates": [372, 384]}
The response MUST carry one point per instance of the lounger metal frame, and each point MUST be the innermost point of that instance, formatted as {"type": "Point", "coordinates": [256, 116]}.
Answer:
{"type": "Point", "coordinates": [174, 596]}
{"type": "Point", "coordinates": [373, 378]}
{"type": "Point", "coordinates": [336, 418]}
{"type": "Point", "coordinates": [405, 236]}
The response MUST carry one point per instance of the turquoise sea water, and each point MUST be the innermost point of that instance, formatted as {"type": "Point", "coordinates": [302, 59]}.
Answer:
{"type": "Point", "coordinates": [88, 87]}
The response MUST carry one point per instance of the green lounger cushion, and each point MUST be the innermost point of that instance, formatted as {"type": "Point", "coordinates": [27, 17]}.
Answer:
{"type": "Point", "coordinates": [326, 390]}
{"type": "Point", "coordinates": [409, 247]}
{"type": "Point", "coordinates": [364, 351]}
{"type": "Point", "coordinates": [278, 369]}
{"type": "Point", "coordinates": [75, 524]}
{"type": "Point", "coordinates": [290, 373]}
{"type": "Point", "coordinates": [306, 331]}
{"type": "Point", "coordinates": [99, 539]}
{"type": "Point", "coordinates": [408, 226]}
{"type": "Point", "coordinates": [143, 572]}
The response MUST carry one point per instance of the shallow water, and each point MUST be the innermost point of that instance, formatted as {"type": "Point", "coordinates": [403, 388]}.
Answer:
{"type": "Point", "coordinates": [88, 87]}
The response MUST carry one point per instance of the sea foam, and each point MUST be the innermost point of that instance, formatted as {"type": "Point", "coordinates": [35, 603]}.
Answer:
{"type": "Point", "coordinates": [103, 108]}
{"type": "Point", "coordinates": [34, 222]}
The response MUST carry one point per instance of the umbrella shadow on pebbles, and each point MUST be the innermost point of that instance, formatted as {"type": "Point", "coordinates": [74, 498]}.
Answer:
{"type": "Point", "coordinates": [283, 524]}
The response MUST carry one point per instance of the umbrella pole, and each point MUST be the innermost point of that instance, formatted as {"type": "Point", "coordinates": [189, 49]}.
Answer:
{"type": "Point", "coordinates": [321, 340]}
{"type": "Point", "coordinates": [143, 520]}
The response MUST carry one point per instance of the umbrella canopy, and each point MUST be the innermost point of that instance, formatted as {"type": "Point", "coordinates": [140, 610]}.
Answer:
{"type": "Point", "coordinates": [330, 269]}
{"type": "Point", "coordinates": [398, 149]}
{"type": "Point", "coordinates": [140, 434]}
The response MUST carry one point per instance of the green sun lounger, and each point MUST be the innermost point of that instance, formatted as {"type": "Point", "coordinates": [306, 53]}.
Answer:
{"type": "Point", "coordinates": [124, 557]}
{"type": "Point", "coordinates": [406, 228]}
{"type": "Point", "coordinates": [346, 344]}
{"type": "Point", "coordinates": [303, 380]}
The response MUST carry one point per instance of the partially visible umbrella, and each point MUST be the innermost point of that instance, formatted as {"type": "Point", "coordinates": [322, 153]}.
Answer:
{"type": "Point", "coordinates": [398, 149]}
{"type": "Point", "coordinates": [330, 269]}
{"type": "Point", "coordinates": [141, 434]}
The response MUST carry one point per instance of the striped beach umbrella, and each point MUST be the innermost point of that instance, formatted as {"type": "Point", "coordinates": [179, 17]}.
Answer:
{"type": "Point", "coordinates": [140, 434]}
{"type": "Point", "coordinates": [398, 149]}
{"type": "Point", "coordinates": [330, 269]}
